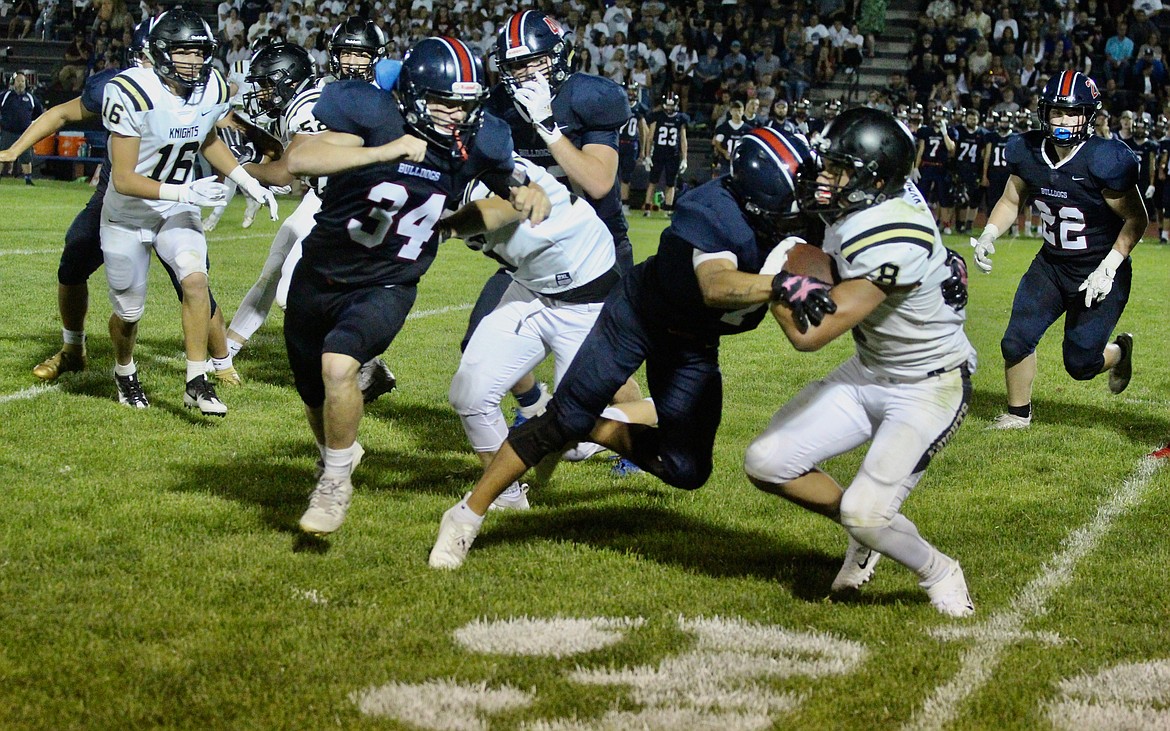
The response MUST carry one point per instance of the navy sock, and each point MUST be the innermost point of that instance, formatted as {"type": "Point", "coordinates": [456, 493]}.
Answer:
{"type": "Point", "coordinates": [529, 397]}
{"type": "Point", "coordinates": [1021, 411]}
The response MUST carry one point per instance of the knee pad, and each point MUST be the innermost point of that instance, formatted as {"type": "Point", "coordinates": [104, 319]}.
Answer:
{"type": "Point", "coordinates": [1083, 365]}
{"type": "Point", "coordinates": [190, 261]}
{"type": "Point", "coordinates": [537, 438]}
{"type": "Point", "coordinates": [468, 396]}
{"type": "Point", "coordinates": [1013, 350]}
{"type": "Point", "coordinates": [129, 304]}
{"type": "Point", "coordinates": [869, 504]}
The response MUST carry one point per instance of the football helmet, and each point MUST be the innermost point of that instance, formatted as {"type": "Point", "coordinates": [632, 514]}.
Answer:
{"type": "Point", "coordinates": [444, 70]}
{"type": "Point", "coordinates": [177, 31]}
{"type": "Point", "coordinates": [1161, 125]}
{"type": "Point", "coordinates": [359, 36]}
{"type": "Point", "coordinates": [767, 168]}
{"type": "Point", "coordinates": [1074, 92]}
{"type": "Point", "coordinates": [528, 35]}
{"type": "Point", "coordinates": [874, 148]}
{"type": "Point", "coordinates": [1024, 120]}
{"type": "Point", "coordinates": [915, 113]}
{"type": "Point", "coordinates": [137, 48]}
{"type": "Point", "coordinates": [259, 43]}
{"type": "Point", "coordinates": [634, 93]}
{"type": "Point", "coordinates": [670, 103]}
{"type": "Point", "coordinates": [1141, 129]}
{"type": "Point", "coordinates": [802, 107]}
{"type": "Point", "coordinates": [832, 108]}
{"type": "Point", "coordinates": [277, 74]}
{"type": "Point", "coordinates": [1002, 121]}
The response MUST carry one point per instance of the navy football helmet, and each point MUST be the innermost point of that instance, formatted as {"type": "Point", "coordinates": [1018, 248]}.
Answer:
{"type": "Point", "coordinates": [277, 74]}
{"type": "Point", "coordinates": [444, 70]}
{"type": "Point", "coordinates": [832, 108]}
{"type": "Point", "coordinates": [670, 103]}
{"type": "Point", "coordinates": [531, 34]}
{"type": "Point", "coordinates": [767, 168]}
{"type": "Point", "coordinates": [175, 31]}
{"type": "Point", "coordinates": [137, 48]}
{"type": "Point", "coordinates": [1073, 92]}
{"type": "Point", "coordinates": [357, 36]}
{"type": "Point", "coordinates": [634, 93]}
{"type": "Point", "coordinates": [874, 148]}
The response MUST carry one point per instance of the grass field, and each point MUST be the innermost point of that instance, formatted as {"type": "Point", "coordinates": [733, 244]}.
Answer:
{"type": "Point", "coordinates": [153, 577]}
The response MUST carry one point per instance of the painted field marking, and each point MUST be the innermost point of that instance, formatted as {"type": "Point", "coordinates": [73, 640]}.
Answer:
{"type": "Point", "coordinates": [28, 252]}
{"type": "Point", "coordinates": [28, 393]}
{"type": "Point", "coordinates": [1006, 627]}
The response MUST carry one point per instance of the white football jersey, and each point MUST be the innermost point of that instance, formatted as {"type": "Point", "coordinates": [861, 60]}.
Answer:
{"type": "Point", "coordinates": [571, 248]}
{"type": "Point", "coordinates": [897, 246]}
{"type": "Point", "coordinates": [298, 119]}
{"type": "Point", "coordinates": [238, 75]}
{"type": "Point", "coordinates": [171, 130]}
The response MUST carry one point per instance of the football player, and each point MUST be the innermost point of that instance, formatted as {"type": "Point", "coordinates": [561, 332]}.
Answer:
{"type": "Point", "coordinates": [633, 138]}
{"type": "Point", "coordinates": [1162, 133]}
{"type": "Point", "coordinates": [395, 164]}
{"type": "Point", "coordinates": [1085, 188]}
{"type": "Point", "coordinates": [936, 147]}
{"type": "Point", "coordinates": [355, 47]}
{"type": "Point", "coordinates": [667, 153]}
{"type": "Point", "coordinates": [713, 275]}
{"type": "Point", "coordinates": [969, 139]}
{"type": "Point", "coordinates": [82, 254]}
{"type": "Point", "coordinates": [561, 273]}
{"type": "Point", "coordinates": [901, 293]}
{"type": "Point", "coordinates": [1147, 151]}
{"type": "Point", "coordinates": [159, 119]}
{"type": "Point", "coordinates": [727, 136]}
{"type": "Point", "coordinates": [995, 163]}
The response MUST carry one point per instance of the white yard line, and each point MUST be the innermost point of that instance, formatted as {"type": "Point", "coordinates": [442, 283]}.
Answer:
{"type": "Point", "coordinates": [28, 393]}
{"type": "Point", "coordinates": [1005, 627]}
{"type": "Point", "coordinates": [28, 252]}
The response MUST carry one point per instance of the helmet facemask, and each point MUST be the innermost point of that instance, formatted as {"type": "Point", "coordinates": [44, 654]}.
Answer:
{"type": "Point", "coordinates": [188, 75]}
{"type": "Point", "coordinates": [831, 200]}
{"type": "Point", "coordinates": [1067, 135]}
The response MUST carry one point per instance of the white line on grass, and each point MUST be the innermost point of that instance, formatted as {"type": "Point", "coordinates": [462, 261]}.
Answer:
{"type": "Point", "coordinates": [28, 252]}
{"type": "Point", "coordinates": [1003, 628]}
{"type": "Point", "coordinates": [28, 393]}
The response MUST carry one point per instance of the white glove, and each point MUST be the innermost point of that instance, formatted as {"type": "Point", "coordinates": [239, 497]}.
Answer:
{"type": "Point", "coordinates": [255, 190]}
{"type": "Point", "coordinates": [647, 163]}
{"type": "Point", "coordinates": [984, 247]}
{"type": "Point", "coordinates": [535, 98]}
{"type": "Point", "coordinates": [280, 189]}
{"type": "Point", "coordinates": [778, 257]}
{"type": "Point", "coordinates": [915, 175]}
{"type": "Point", "coordinates": [1100, 283]}
{"type": "Point", "coordinates": [203, 192]}
{"type": "Point", "coordinates": [1150, 192]}
{"type": "Point", "coordinates": [682, 166]}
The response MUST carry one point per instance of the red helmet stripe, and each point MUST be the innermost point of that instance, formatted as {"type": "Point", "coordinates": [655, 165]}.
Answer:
{"type": "Point", "coordinates": [514, 26]}
{"type": "Point", "coordinates": [777, 144]}
{"type": "Point", "coordinates": [1066, 82]}
{"type": "Point", "coordinates": [462, 58]}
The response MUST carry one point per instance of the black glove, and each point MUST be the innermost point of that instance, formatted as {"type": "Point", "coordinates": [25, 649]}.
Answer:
{"type": "Point", "coordinates": [807, 297]}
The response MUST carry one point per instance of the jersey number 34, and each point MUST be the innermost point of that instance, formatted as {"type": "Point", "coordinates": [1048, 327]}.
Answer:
{"type": "Point", "coordinates": [417, 225]}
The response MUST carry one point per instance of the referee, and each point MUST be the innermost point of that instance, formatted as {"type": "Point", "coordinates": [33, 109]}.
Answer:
{"type": "Point", "coordinates": [18, 108]}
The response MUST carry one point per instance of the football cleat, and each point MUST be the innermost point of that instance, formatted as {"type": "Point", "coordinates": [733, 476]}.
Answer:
{"type": "Point", "coordinates": [63, 361]}
{"type": "Point", "coordinates": [229, 377]}
{"type": "Point", "coordinates": [582, 451]}
{"type": "Point", "coordinates": [375, 379]}
{"type": "Point", "coordinates": [201, 394]}
{"type": "Point", "coordinates": [1010, 421]}
{"type": "Point", "coordinates": [358, 453]}
{"type": "Point", "coordinates": [251, 208]}
{"type": "Point", "coordinates": [949, 594]}
{"type": "Point", "coordinates": [212, 219]}
{"type": "Point", "coordinates": [513, 498]}
{"type": "Point", "coordinates": [623, 467]}
{"type": "Point", "coordinates": [454, 541]}
{"type": "Point", "coordinates": [1161, 453]}
{"type": "Point", "coordinates": [130, 391]}
{"type": "Point", "coordinates": [858, 568]}
{"type": "Point", "coordinates": [1122, 372]}
{"type": "Point", "coordinates": [524, 413]}
{"type": "Point", "coordinates": [327, 505]}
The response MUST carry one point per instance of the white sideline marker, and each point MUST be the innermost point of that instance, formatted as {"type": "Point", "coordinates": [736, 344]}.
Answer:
{"type": "Point", "coordinates": [27, 393]}
{"type": "Point", "coordinates": [28, 252]}
{"type": "Point", "coordinates": [1005, 627]}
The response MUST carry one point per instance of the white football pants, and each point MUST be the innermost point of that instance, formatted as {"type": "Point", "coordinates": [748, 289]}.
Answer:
{"type": "Point", "coordinates": [178, 239]}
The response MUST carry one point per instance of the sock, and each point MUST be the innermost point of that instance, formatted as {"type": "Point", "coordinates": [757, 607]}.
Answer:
{"type": "Point", "coordinates": [1023, 412]}
{"type": "Point", "coordinates": [195, 369]}
{"type": "Point", "coordinates": [75, 338]}
{"type": "Point", "coordinates": [220, 364]}
{"type": "Point", "coordinates": [464, 514]}
{"type": "Point", "coordinates": [530, 397]}
{"type": "Point", "coordinates": [321, 451]}
{"type": "Point", "coordinates": [512, 490]}
{"type": "Point", "coordinates": [233, 347]}
{"type": "Point", "coordinates": [338, 462]}
{"type": "Point", "coordinates": [125, 370]}
{"type": "Point", "coordinates": [935, 570]}
{"type": "Point", "coordinates": [28, 177]}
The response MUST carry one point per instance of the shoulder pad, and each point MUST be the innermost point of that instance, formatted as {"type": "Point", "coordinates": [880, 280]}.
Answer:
{"type": "Point", "coordinates": [709, 219]}
{"type": "Point", "coordinates": [1019, 147]}
{"type": "Point", "coordinates": [94, 90]}
{"type": "Point", "coordinates": [494, 140]}
{"type": "Point", "coordinates": [597, 102]}
{"type": "Point", "coordinates": [891, 242]}
{"type": "Point", "coordinates": [1114, 165]}
{"type": "Point", "coordinates": [348, 106]}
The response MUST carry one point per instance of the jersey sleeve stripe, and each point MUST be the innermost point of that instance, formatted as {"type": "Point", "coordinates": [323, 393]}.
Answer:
{"type": "Point", "coordinates": [300, 103]}
{"type": "Point", "coordinates": [224, 91]}
{"type": "Point", "coordinates": [135, 93]}
{"type": "Point", "coordinates": [889, 234]}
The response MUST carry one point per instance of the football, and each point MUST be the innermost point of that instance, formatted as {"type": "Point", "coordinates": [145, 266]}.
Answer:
{"type": "Point", "coordinates": [810, 261]}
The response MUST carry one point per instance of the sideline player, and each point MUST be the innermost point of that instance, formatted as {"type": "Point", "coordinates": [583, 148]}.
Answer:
{"type": "Point", "coordinates": [562, 271]}
{"type": "Point", "coordinates": [727, 136]}
{"type": "Point", "coordinates": [633, 138]}
{"type": "Point", "coordinates": [901, 293]}
{"type": "Point", "coordinates": [969, 140]}
{"type": "Point", "coordinates": [82, 253]}
{"type": "Point", "coordinates": [159, 120]}
{"type": "Point", "coordinates": [1085, 188]}
{"type": "Point", "coordinates": [995, 163]}
{"type": "Point", "coordinates": [667, 153]}
{"type": "Point", "coordinates": [394, 164]}
{"type": "Point", "coordinates": [712, 276]}
{"type": "Point", "coordinates": [936, 147]}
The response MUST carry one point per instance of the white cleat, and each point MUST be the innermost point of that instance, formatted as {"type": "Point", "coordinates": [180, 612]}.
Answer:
{"type": "Point", "coordinates": [327, 506]}
{"type": "Point", "coordinates": [1010, 421]}
{"type": "Point", "coordinates": [454, 541]}
{"type": "Point", "coordinates": [251, 208]}
{"type": "Point", "coordinates": [358, 453]}
{"type": "Point", "coordinates": [212, 220]}
{"type": "Point", "coordinates": [201, 394]}
{"type": "Point", "coordinates": [514, 498]}
{"type": "Point", "coordinates": [949, 595]}
{"type": "Point", "coordinates": [858, 568]}
{"type": "Point", "coordinates": [582, 452]}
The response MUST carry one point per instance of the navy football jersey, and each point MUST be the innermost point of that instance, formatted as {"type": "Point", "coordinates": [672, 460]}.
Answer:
{"type": "Point", "coordinates": [590, 110]}
{"type": "Point", "coordinates": [629, 137]}
{"type": "Point", "coordinates": [1147, 153]}
{"type": "Point", "coordinates": [969, 146]}
{"type": "Point", "coordinates": [667, 133]}
{"type": "Point", "coordinates": [92, 95]}
{"type": "Point", "coordinates": [997, 163]}
{"type": "Point", "coordinates": [1164, 151]}
{"type": "Point", "coordinates": [1076, 220]}
{"type": "Point", "coordinates": [730, 136]}
{"type": "Point", "coordinates": [934, 149]}
{"type": "Point", "coordinates": [706, 218]}
{"type": "Point", "coordinates": [378, 224]}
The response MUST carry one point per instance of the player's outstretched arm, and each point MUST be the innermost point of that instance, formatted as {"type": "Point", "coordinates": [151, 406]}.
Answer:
{"type": "Point", "coordinates": [330, 153]}
{"type": "Point", "coordinates": [276, 172]}
{"type": "Point", "coordinates": [46, 124]}
{"type": "Point", "coordinates": [725, 287]}
{"type": "Point", "coordinates": [855, 299]}
{"type": "Point", "coordinates": [266, 143]}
